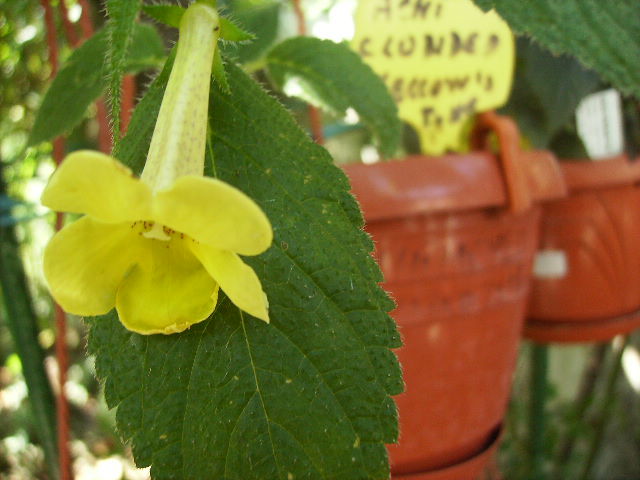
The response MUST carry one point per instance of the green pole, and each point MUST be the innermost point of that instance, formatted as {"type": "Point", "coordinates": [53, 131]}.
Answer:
{"type": "Point", "coordinates": [537, 403]}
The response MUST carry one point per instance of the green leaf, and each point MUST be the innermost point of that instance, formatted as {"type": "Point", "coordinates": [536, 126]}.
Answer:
{"type": "Point", "coordinates": [122, 20]}
{"type": "Point", "coordinates": [604, 36]}
{"type": "Point", "coordinates": [233, 33]}
{"type": "Point", "coordinates": [218, 71]}
{"type": "Point", "coordinates": [171, 14]}
{"type": "Point", "coordinates": [259, 17]}
{"type": "Point", "coordinates": [547, 90]}
{"type": "Point", "coordinates": [307, 396]}
{"type": "Point", "coordinates": [80, 81]}
{"type": "Point", "coordinates": [168, 14]}
{"type": "Point", "coordinates": [568, 144]}
{"type": "Point", "coordinates": [334, 76]}
{"type": "Point", "coordinates": [146, 50]}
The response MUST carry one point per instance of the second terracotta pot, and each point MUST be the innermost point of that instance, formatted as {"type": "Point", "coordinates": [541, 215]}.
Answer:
{"type": "Point", "coordinates": [590, 291]}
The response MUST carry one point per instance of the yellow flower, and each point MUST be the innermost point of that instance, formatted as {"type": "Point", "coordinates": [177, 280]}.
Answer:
{"type": "Point", "coordinates": [158, 248]}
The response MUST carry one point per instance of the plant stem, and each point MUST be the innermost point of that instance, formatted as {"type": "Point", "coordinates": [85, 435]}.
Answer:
{"type": "Point", "coordinates": [538, 397]}
{"type": "Point", "coordinates": [602, 419]}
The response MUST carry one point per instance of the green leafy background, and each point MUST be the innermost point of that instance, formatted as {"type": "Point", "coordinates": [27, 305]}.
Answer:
{"type": "Point", "coordinates": [546, 92]}
{"type": "Point", "coordinates": [603, 35]}
{"type": "Point", "coordinates": [258, 17]}
{"type": "Point", "coordinates": [307, 396]}
{"type": "Point", "coordinates": [82, 80]}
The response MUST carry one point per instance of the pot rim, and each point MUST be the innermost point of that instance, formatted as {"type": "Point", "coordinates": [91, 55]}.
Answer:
{"type": "Point", "coordinates": [583, 330]}
{"type": "Point", "coordinates": [471, 465]}
{"type": "Point", "coordinates": [421, 184]}
{"type": "Point", "coordinates": [582, 174]}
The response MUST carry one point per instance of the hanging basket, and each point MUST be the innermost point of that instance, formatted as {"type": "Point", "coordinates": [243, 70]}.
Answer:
{"type": "Point", "coordinates": [590, 291]}
{"type": "Point", "coordinates": [455, 237]}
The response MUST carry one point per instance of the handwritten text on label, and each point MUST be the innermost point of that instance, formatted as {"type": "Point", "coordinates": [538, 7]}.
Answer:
{"type": "Point", "coordinates": [442, 60]}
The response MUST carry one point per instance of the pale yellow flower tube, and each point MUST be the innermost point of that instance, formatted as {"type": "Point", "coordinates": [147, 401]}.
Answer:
{"type": "Point", "coordinates": [179, 138]}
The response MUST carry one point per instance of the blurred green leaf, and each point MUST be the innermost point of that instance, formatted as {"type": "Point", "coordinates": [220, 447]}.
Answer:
{"type": "Point", "coordinates": [604, 36]}
{"type": "Point", "coordinates": [171, 14]}
{"type": "Point", "coordinates": [78, 83]}
{"type": "Point", "coordinates": [218, 71]}
{"type": "Point", "coordinates": [631, 116]}
{"type": "Point", "coordinates": [335, 77]}
{"type": "Point", "coordinates": [146, 50]}
{"type": "Point", "coordinates": [567, 144]}
{"type": "Point", "coordinates": [257, 17]}
{"type": "Point", "coordinates": [122, 20]}
{"type": "Point", "coordinates": [168, 14]}
{"type": "Point", "coordinates": [81, 81]}
{"type": "Point", "coordinates": [233, 33]}
{"type": "Point", "coordinates": [306, 396]}
{"type": "Point", "coordinates": [547, 90]}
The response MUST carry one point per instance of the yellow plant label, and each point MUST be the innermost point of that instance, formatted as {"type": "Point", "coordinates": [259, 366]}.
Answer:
{"type": "Point", "coordinates": [442, 60]}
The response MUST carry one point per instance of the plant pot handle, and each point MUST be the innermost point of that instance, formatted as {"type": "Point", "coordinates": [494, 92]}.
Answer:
{"type": "Point", "coordinates": [510, 157]}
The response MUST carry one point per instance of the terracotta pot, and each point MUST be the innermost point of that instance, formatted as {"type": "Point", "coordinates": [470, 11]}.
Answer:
{"type": "Point", "coordinates": [455, 237]}
{"type": "Point", "coordinates": [591, 292]}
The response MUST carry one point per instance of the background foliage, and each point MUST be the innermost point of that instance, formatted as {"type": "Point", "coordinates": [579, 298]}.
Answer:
{"type": "Point", "coordinates": [604, 36]}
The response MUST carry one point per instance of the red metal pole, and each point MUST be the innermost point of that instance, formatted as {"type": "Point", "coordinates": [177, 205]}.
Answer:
{"type": "Point", "coordinates": [62, 410]}
{"type": "Point", "coordinates": [315, 116]}
{"type": "Point", "coordinates": [69, 28]}
{"type": "Point", "coordinates": [128, 101]}
{"type": "Point", "coordinates": [85, 19]}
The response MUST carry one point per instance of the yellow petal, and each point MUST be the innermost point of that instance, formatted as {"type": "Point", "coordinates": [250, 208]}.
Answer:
{"type": "Point", "coordinates": [167, 291]}
{"type": "Point", "coordinates": [214, 213]}
{"type": "Point", "coordinates": [98, 185]}
{"type": "Point", "coordinates": [85, 262]}
{"type": "Point", "coordinates": [236, 279]}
